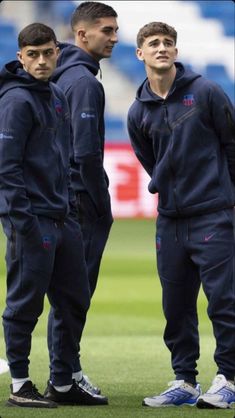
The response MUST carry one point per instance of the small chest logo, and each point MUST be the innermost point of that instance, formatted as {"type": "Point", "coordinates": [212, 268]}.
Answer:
{"type": "Point", "coordinates": [158, 243]}
{"type": "Point", "coordinates": [188, 100]}
{"type": "Point", "coordinates": [46, 242]}
{"type": "Point", "coordinates": [58, 106]}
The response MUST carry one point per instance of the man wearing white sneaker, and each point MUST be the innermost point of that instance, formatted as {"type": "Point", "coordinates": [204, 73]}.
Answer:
{"type": "Point", "coordinates": [182, 130]}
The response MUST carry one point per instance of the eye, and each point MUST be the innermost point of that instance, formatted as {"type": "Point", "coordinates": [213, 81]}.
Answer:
{"type": "Point", "coordinates": [169, 44]}
{"type": "Point", "coordinates": [49, 52]}
{"type": "Point", "coordinates": [32, 54]}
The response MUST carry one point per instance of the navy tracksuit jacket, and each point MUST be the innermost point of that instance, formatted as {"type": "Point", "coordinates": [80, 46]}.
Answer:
{"type": "Point", "coordinates": [186, 143]}
{"type": "Point", "coordinates": [44, 244]}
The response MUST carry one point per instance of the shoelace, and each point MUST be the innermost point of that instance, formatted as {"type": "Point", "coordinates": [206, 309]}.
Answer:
{"type": "Point", "coordinates": [34, 394]}
{"type": "Point", "coordinates": [217, 384]}
{"type": "Point", "coordinates": [173, 384]}
{"type": "Point", "coordinates": [86, 383]}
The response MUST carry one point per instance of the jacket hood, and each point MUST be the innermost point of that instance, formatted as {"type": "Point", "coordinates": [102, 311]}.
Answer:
{"type": "Point", "coordinates": [12, 75]}
{"type": "Point", "coordinates": [71, 56]}
{"type": "Point", "coordinates": [183, 77]}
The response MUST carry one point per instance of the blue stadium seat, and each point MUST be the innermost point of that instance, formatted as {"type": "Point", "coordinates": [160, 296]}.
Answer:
{"type": "Point", "coordinates": [64, 10]}
{"type": "Point", "coordinates": [8, 49]}
{"type": "Point", "coordinates": [8, 41]}
{"type": "Point", "coordinates": [124, 58]}
{"type": "Point", "coordinates": [115, 129]}
{"type": "Point", "coordinates": [221, 10]}
{"type": "Point", "coordinates": [218, 74]}
{"type": "Point", "coordinates": [7, 29]}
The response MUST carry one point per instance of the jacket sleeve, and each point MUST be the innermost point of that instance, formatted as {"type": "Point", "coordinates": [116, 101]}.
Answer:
{"type": "Point", "coordinates": [15, 126]}
{"type": "Point", "coordinates": [142, 147]}
{"type": "Point", "coordinates": [223, 115]}
{"type": "Point", "coordinates": [86, 101]}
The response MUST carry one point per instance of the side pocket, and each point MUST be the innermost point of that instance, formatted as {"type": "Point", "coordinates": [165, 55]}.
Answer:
{"type": "Point", "coordinates": [10, 233]}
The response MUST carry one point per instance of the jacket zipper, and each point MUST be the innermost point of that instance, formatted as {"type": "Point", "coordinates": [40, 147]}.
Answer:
{"type": "Point", "coordinates": [166, 120]}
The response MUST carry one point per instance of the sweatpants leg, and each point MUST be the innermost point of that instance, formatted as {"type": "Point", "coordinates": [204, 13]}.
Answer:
{"type": "Point", "coordinates": [95, 232]}
{"type": "Point", "coordinates": [213, 251]}
{"type": "Point", "coordinates": [180, 286]}
{"type": "Point", "coordinates": [69, 296]}
{"type": "Point", "coordinates": [29, 268]}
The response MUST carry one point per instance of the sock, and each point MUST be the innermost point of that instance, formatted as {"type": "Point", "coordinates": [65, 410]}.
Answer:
{"type": "Point", "coordinates": [18, 383]}
{"type": "Point", "coordinates": [63, 389]}
{"type": "Point", "coordinates": [77, 375]}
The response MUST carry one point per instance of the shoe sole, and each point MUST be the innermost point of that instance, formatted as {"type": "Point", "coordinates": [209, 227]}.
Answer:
{"type": "Point", "coordinates": [80, 403]}
{"type": "Point", "coordinates": [168, 405]}
{"type": "Point", "coordinates": [201, 404]}
{"type": "Point", "coordinates": [12, 404]}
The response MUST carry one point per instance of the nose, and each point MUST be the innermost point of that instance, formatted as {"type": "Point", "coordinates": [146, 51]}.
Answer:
{"type": "Point", "coordinates": [41, 59]}
{"type": "Point", "coordinates": [114, 37]}
{"type": "Point", "coordinates": [162, 47]}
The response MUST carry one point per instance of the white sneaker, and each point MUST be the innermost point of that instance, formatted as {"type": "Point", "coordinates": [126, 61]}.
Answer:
{"type": "Point", "coordinates": [179, 393]}
{"type": "Point", "coordinates": [220, 395]}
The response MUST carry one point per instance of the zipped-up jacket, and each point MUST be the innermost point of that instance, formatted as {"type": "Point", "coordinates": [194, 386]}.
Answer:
{"type": "Point", "coordinates": [186, 143]}
{"type": "Point", "coordinates": [34, 149]}
{"type": "Point", "coordinates": [76, 76]}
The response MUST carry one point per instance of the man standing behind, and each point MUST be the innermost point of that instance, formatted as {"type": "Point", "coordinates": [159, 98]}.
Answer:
{"type": "Point", "coordinates": [182, 130]}
{"type": "Point", "coordinates": [95, 29]}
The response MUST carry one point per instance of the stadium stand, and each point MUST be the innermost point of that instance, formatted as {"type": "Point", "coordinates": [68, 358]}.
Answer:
{"type": "Point", "coordinates": [197, 22]}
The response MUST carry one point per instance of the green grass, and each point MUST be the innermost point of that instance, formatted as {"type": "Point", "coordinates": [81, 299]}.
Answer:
{"type": "Point", "coordinates": [122, 347]}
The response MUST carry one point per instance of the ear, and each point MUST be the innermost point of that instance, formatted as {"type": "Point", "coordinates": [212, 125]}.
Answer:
{"type": "Point", "coordinates": [81, 34]}
{"type": "Point", "coordinates": [19, 56]}
{"type": "Point", "coordinates": [139, 54]}
{"type": "Point", "coordinates": [176, 53]}
{"type": "Point", "coordinates": [57, 51]}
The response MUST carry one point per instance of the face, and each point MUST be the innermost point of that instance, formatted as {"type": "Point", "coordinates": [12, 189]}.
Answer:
{"type": "Point", "coordinates": [39, 61]}
{"type": "Point", "coordinates": [99, 38]}
{"type": "Point", "coordinates": [158, 52]}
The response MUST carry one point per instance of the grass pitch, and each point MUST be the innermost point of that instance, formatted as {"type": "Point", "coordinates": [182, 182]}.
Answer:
{"type": "Point", "coordinates": [122, 347]}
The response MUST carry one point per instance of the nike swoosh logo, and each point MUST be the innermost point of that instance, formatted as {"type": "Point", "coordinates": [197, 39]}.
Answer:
{"type": "Point", "coordinates": [208, 237]}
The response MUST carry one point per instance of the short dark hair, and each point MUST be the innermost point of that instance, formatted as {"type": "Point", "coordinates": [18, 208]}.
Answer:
{"type": "Point", "coordinates": [36, 34]}
{"type": "Point", "coordinates": [90, 11]}
{"type": "Point", "coordinates": [154, 28]}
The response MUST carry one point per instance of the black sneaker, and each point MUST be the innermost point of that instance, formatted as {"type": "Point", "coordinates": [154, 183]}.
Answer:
{"type": "Point", "coordinates": [86, 384]}
{"type": "Point", "coordinates": [28, 396]}
{"type": "Point", "coordinates": [77, 395]}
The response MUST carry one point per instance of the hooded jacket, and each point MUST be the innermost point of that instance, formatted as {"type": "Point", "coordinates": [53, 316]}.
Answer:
{"type": "Point", "coordinates": [76, 76]}
{"type": "Point", "coordinates": [34, 148]}
{"type": "Point", "coordinates": [186, 143]}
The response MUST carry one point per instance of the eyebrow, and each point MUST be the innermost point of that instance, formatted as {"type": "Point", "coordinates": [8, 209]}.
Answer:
{"type": "Point", "coordinates": [40, 50]}
{"type": "Point", "coordinates": [110, 28]}
{"type": "Point", "coordinates": [157, 39]}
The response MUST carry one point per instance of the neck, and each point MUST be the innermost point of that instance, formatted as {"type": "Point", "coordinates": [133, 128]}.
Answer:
{"type": "Point", "coordinates": [160, 83]}
{"type": "Point", "coordinates": [83, 47]}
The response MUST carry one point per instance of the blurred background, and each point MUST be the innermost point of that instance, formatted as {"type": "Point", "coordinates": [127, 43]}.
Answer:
{"type": "Point", "coordinates": [206, 44]}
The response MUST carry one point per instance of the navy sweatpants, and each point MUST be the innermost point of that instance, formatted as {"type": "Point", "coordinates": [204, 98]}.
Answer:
{"type": "Point", "coordinates": [192, 251]}
{"type": "Point", "coordinates": [95, 232]}
{"type": "Point", "coordinates": [50, 262]}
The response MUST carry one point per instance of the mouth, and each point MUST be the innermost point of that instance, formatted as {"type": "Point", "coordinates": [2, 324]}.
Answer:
{"type": "Point", "coordinates": [162, 58]}
{"type": "Point", "coordinates": [110, 47]}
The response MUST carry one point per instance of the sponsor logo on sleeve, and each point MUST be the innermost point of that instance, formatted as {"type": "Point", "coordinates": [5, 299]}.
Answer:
{"type": "Point", "coordinates": [85, 115]}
